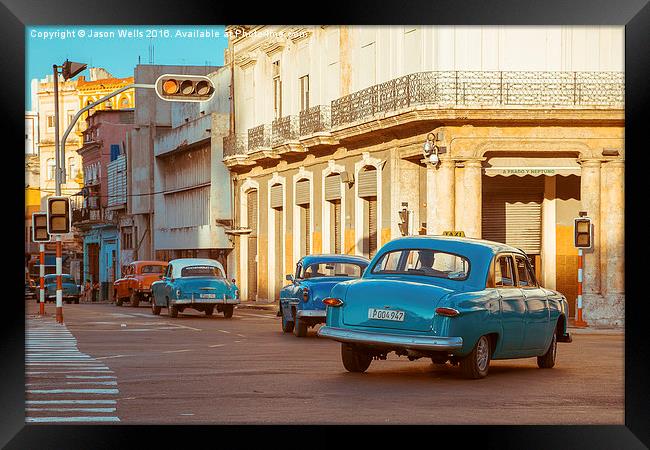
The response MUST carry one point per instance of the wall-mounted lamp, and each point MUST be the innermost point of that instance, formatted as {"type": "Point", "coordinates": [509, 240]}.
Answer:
{"type": "Point", "coordinates": [430, 149]}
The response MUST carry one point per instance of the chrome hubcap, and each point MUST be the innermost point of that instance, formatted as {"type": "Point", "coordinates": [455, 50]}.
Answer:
{"type": "Point", "coordinates": [482, 350]}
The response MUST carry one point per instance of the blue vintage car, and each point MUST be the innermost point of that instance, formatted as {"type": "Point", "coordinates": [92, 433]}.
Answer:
{"type": "Point", "coordinates": [70, 289]}
{"type": "Point", "coordinates": [196, 283]}
{"type": "Point", "coordinates": [461, 300]}
{"type": "Point", "coordinates": [301, 302]}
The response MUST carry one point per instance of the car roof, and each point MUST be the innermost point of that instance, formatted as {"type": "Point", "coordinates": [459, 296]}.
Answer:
{"type": "Point", "coordinates": [150, 263]}
{"type": "Point", "coordinates": [334, 257]}
{"type": "Point", "coordinates": [180, 263]}
{"type": "Point", "coordinates": [450, 243]}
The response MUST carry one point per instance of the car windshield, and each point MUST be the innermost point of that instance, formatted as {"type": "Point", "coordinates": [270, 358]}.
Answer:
{"type": "Point", "coordinates": [427, 262]}
{"type": "Point", "coordinates": [64, 279]}
{"type": "Point", "coordinates": [333, 269]}
{"type": "Point", "coordinates": [201, 271]}
{"type": "Point", "coordinates": [152, 269]}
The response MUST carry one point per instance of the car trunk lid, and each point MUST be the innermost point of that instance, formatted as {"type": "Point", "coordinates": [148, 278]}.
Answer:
{"type": "Point", "coordinates": [417, 302]}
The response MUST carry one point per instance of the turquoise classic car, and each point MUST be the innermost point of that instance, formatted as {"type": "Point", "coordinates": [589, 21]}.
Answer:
{"type": "Point", "coordinates": [71, 291]}
{"type": "Point", "coordinates": [301, 302]}
{"type": "Point", "coordinates": [194, 283]}
{"type": "Point", "coordinates": [459, 300]}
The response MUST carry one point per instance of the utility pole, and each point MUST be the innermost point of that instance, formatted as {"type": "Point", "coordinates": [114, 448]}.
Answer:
{"type": "Point", "coordinates": [57, 163]}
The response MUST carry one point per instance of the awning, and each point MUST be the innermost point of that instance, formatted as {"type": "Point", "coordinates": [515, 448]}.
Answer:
{"type": "Point", "coordinates": [535, 166]}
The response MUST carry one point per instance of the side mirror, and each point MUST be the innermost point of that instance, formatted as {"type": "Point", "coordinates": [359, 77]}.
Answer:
{"type": "Point", "coordinates": [162, 277]}
{"type": "Point", "coordinates": [233, 281]}
{"type": "Point", "coordinates": [289, 277]}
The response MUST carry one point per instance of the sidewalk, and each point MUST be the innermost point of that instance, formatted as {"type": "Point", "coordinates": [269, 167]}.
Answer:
{"type": "Point", "coordinates": [256, 305]}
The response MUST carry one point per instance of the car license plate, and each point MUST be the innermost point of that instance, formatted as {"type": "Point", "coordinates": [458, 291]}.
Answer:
{"type": "Point", "coordinates": [208, 295]}
{"type": "Point", "coordinates": [386, 314]}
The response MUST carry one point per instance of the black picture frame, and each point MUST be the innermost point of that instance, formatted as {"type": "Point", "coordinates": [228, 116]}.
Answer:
{"type": "Point", "coordinates": [633, 14]}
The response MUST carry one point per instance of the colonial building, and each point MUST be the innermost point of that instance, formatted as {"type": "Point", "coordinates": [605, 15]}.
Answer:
{"type": "Point", "coordinates": [103, 195]}
{"type": "Point", "coordinates": [526, 123]}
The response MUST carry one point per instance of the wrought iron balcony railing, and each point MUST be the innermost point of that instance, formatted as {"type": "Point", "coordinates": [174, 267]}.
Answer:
{"type": "Point", "coordinates": [315, 119]}
{"type": "Point", "coordinates": [259, 137]}
{"type": "Point", "coordinates": [235, 144]}
{"type": "Point", "coordinates": [563, 89]}
{"type": "Point", "coordinates": [285, 129]}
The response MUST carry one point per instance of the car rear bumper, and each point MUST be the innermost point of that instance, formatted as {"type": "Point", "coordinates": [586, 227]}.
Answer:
{"type": "Point", "coordinates": [206, 301]}
{"type": "Point", "coordinates": [413, 342]}
{"type": "Point", "coordinates": [312, 313]}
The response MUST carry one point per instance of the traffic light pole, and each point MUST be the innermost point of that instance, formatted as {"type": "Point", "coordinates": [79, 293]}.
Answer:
{"type": "Point", "coordinates": [58, 178]}
{"type": "Point", "coordinates": [41, 293]}
{"type": "Point", "coordinates": [579, 321]}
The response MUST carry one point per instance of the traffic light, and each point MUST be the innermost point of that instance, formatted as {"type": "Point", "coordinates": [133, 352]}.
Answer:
{"type": "Point", "coordinates": [404, 221]}
{"type": "Point", "coordinates": [582, 232]}
{"type": "Point", "coordinates": [70, 69]}
{"type": "Point", "coordinates": [184, 88]}
{"type": "Point", "coordinates": [58, 215]}
{"type": "Point", "coordinates": [39, 227]}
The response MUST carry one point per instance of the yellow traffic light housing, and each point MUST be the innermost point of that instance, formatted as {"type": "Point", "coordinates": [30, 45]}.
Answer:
{"type": "Point", "coordinates": [582, 232]}
{"type": "Point", "coordinates": [39, 227]}
{"type": "Point", "coordinates": [184, 88]}
{"type": "Point", "coordinates": [58, 215]}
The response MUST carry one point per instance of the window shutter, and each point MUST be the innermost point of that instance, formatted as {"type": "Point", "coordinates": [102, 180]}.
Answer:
{"type": "Point", "coordinates": [333, 187]}
{"type": "Point", "coordinates": [367, 183]}
{"type": "Point", "coordinates": [276, 196]}
{"type": "Point", "coordinates": [302, 192]}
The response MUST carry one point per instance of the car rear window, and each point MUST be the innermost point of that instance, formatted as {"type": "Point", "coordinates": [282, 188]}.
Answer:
{"type": "Point", "coordinates": [152, 269]}
{"type": "Point", "coordinates": [201, 271]}
{"type": "Point", "coordinates": [427, 262]}
{"type": "Point", "coordinates": [333, 269]}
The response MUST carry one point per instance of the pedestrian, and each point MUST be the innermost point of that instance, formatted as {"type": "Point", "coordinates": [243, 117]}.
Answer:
{"type": "Point", "coordinates": [87, 291]}
{"type": "Point", "coordinates": [95, 290]}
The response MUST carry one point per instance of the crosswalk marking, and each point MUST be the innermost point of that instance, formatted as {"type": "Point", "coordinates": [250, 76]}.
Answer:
{"type": "Point", "coordinates": [64, 384]}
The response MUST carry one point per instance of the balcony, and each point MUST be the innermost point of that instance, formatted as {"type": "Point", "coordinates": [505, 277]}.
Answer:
{"type": "Point", "coordinates": [433, 92]}
{"type": "Point", "coordinates": [84, 217]}
{"type": "Point", "coordinates": [235, 150]}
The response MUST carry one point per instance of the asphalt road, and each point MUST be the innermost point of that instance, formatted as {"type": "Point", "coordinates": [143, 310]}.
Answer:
{"type": "Point", "coordinates": [244, 370]}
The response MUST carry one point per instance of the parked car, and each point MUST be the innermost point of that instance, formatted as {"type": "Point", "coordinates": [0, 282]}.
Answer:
{"type": "Point", "coordinates": [135, 284]}
{"type": "Point", "coordinates": [462, 300]}
{"type": "Point", "coordinates": [194, 283]}
{"type": "Point", "coordinates": [301, 302]}
{"type": "Point", "coordinates": [71, 290]}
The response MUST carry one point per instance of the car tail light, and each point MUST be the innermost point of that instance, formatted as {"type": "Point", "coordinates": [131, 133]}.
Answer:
{"type": "Point", "coordinates": [448, 312]}
{"type": "Point", "coordinates": [333, 301]}
{"type": "Point", "coordinates": [305, 294]}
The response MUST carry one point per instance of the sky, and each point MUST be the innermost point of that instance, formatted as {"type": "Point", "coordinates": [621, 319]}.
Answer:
{"type": "Point", "coordinates": [112, 48]}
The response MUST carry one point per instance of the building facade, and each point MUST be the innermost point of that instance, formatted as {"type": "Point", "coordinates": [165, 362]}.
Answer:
{"type": "Point", "coordinates": [528, 123]}
{"type": "Point", "coordinates": [97, 218]}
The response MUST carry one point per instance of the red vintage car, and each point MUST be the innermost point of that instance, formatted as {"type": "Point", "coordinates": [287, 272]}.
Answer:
{"type": "Point", "coordinates": [135, 285]}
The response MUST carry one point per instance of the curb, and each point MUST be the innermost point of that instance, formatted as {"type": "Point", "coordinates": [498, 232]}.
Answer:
{"type": "Point", "coordinates": [593, 330]}
{"type": "Point", "coordinates": [267, 307]}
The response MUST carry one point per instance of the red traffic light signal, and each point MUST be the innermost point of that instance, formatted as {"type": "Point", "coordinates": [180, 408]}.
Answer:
{"type": "Point", "coordinates": [58, 215]}
{"type": "Point", "coordinates": [582, 232]}
{"type": "Point", "coordinates": [39, 227]}
{"type": "Point", "coordinates": [184, 88]}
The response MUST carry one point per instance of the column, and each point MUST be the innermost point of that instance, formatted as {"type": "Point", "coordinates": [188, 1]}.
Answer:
{"type": "Point", "coordinates": [440, 197]}
{"type": "Point", "coordinates": [590, 199]}
{"type": "Point", "coordinates": [613, 278]}
{"type": "Point", "coordinates": [471, 207]}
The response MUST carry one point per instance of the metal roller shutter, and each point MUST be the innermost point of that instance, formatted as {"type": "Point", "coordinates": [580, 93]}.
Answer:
{"type": "Point", "coordinates": [279, 235]}
{"type": "Point", "coordinates": [367, 182]}
{"type": "Point", "coordinates": [307, 230]}
{"type": "Point", "coordinates": [372, 226]}
{"type": "Point", "coordinates": [337, 226]}
{"type": "Point", "coordinates": [302, 192]}
{"type": "Point", "coordinates": [276, 196]}
{"type": "Point", "coordinates": [512, 213]}
{"type": "Point", "coordinates": [252, 245]}
{"type": "Point", "coordinates": [333, 187]}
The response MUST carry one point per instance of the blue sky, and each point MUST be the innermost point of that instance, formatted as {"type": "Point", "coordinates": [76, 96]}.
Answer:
{"type": "Point", "coordinates": [48, 45]}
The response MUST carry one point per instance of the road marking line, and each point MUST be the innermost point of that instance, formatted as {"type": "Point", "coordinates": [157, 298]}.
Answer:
{"type": "Point", "coordinates": [186, 414]}
{"type": "Point", "coordinates": [114, 356]}
{"type": "Point", "coordinates": [102, 383]}
{"type": "Point", "coordinates": [73, 409]}
{"type": "Point", "coordinates": [185, 326]}
{"type": "Point", "coordinates": [71, 402]}
{"type": "Point", "coordinates": [73, 419]}
{"type": "Point", "coordinates": [217, 345]}
{"type": "Point", "coordinates": [241, 335]}
{"type": "Point", "coordinates": [98, 369]}
{"type": "Point", "coordinates": [177, 351]}
{"type": "Point", "coordinates": [224, 331]}
{"type": "Point", "coordinates": [72, 391]}
{"type": "Point", "coordinates": [87, 377]}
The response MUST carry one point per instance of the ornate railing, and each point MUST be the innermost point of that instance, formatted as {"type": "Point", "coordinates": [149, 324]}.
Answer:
{"type": "Point", "coordinates": [234, 144]}
{"type": "Point", "coordinates": [315, 119]}
{"type": "Point", "coordinates": [259, 137]}
{"type": "Point", "coordinates": [284, 129]}
{"type": "Point", "coordinates": [564, 89]}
